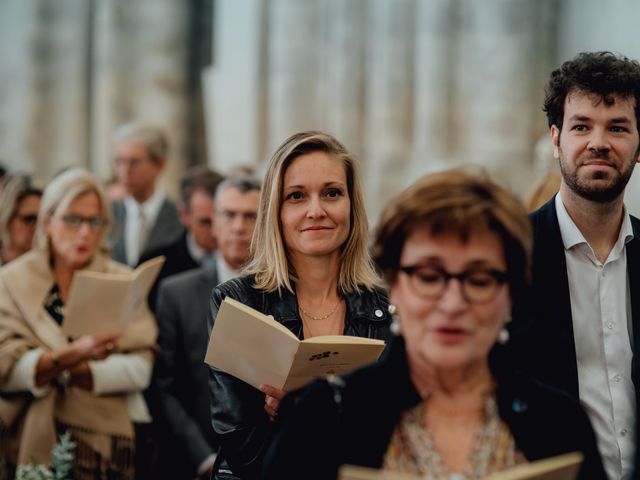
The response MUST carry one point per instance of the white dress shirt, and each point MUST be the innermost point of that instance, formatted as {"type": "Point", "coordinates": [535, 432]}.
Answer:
{"type": "Point", "coordinates": [150, 209]}
{"type": "Point", "coordinates": [601, 313]}
{"type": "Point", "coordinates": [224, 271]}
{"type": "Point", "coordinates": [200, 255]}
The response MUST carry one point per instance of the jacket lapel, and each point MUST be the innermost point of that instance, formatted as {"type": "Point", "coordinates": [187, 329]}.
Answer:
{"type": "Point", "coordinates": [633, 273]}
{"type": "Point", "coordinates": [553, 301]}
{"type": "Point", "coordinates": [165, 229]}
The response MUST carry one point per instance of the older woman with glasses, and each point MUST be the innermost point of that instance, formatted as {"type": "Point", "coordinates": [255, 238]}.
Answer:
{"type": "Point", "coordinates": [444, 403]}
{"type": "Point", "coordinates": [90, 386]}
{"type": "Point", "coordinates": [19, 204]}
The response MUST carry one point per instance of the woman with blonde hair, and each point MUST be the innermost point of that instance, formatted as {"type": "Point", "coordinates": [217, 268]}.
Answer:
{"type": "Point", "coordinates": [19, 203]}
{"type": "Point", "coordinates": [90, 386]}
{"type": "Point", "coordinates": [309, 269]}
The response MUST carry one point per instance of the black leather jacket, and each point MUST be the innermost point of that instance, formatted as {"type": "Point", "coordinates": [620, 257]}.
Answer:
{"type": "Point", "coordinates": [237, 409]}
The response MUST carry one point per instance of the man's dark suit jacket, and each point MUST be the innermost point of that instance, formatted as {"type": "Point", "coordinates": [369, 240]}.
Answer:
{"type": "Point", "coordinates": [166, 229]}
{"type": "Point", "coordinates": [177, 260]}
{"type": "Point", "coordinates": [542, 336]}
{"type": "Point", "coordinates": [182, 377]}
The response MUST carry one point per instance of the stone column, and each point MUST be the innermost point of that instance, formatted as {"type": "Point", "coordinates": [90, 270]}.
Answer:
{"type": "Point", "coordinates": [294, 69]}
{"type": "Point", "coordinates": [497, 113]}
{"type": "Point", "coordinates": [433, 91]}
{"type": "Point", "coordinates": [342, 86]}
{"type": "Point", "coordinates": [235, 86]}
{"type": "Point", "coordinates": [14, 19]}
{"type": "Point", "coordinates": [45, 84]}
{"type": "Point", "coordinates": [389, 100]}
{"type": "Point", "coordinates": [140, 70]}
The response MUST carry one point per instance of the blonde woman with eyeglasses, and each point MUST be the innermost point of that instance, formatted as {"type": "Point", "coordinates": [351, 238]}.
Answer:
{"type": "Point", "coordinates": [90, 386]}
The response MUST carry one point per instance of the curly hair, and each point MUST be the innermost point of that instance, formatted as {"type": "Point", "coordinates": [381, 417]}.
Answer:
{"type": "Point", "coordinates": [603, 74]}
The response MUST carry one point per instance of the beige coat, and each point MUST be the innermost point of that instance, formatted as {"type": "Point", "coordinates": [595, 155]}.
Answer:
{"type": "Point", "coordinates": [24, 325]}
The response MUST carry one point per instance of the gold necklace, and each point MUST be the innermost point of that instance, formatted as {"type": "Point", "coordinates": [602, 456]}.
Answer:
{"type": "Point", "coordinates": [322, 317]}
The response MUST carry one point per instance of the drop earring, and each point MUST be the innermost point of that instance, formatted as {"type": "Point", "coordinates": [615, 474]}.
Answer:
{"type": "Point", "coordinates": [503, 336]}
{"type": "Point", "coordinates": [395, 320]}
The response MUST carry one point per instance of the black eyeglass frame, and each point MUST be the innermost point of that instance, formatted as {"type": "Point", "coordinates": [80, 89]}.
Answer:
{"type": "Point", "coordinates": [501, 278]}
{"type": "Point", "coordinates": [76, 221]}
{"type": "Point", "coordinates": [27, 219]}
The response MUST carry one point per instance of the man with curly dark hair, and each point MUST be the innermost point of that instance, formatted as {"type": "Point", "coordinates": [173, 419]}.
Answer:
{"type": "Point", "coordinates": [586, 265]}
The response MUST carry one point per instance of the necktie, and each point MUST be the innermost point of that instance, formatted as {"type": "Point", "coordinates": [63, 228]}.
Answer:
{"type": "Point", "coordinates": [143, 232]}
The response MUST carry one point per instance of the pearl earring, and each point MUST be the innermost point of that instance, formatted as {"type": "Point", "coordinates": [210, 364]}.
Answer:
{"type": "Point", "coordinates": [503, 336]}
{"type": "Point", "coordinates": [395, 320]}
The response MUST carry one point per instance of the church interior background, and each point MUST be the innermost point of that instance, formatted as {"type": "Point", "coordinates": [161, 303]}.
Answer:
{"type": "Point", "coordinates": [409, 86]}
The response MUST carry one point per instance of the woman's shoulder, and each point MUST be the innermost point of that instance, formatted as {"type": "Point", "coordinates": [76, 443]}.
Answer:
{"type": "Point", "coordinates": [545, 422]}
{"type": "Point", "coordinates": [29, 267]}
{"type": "Point", "coordinates": [524, 400]}
{"type": "Point", "coordinates": [239, 288]}
{"type": "Point", "coordinates": [371, 302]}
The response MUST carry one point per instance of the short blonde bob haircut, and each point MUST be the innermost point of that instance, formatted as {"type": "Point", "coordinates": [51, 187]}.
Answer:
{"type": "Point", "coordinates": [457, 202]}
{"type": "Point", "coordinates": [269, 263]}
{"type": "Point", "coordinates": [58, 195]}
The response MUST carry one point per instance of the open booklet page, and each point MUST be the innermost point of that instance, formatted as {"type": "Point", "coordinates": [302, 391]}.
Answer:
{"type": "Point", "coordinates": [562, 467]}
{"type": "Point", "coordinates": [99, 302]}
{"type": "Point", "coordinates": [256, 349]}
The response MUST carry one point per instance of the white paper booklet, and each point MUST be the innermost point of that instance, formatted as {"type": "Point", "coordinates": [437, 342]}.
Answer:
{"type": "Point", "coordinates": [99, 302]}
{"type": "Point", "coordinates": [256, 349]}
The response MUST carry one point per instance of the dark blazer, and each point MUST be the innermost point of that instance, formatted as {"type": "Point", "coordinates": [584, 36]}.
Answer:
{"type": "Point", "coordinates": [542, 337]}
{"type": "Point", "coordinates": [166, 229]}
{"type": "Point", "coordinates": [177, 260]}
{"type": "Point", "coordinates": [542, 342]}
{"type": "Point", "coordinates": [237, 408]}
{"type": "Point", "coordinates": [351, 420]}
{"type": "Point", "coordinates": [181, 375]}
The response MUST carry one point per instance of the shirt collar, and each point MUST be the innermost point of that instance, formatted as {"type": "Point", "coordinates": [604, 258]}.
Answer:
{"type": "Point", "coordinates": [150, 208]}
{"type": "Point", "coordinates": [225, 272]}
{"type": "Point", "coordinates": [198, 253]}
{"type": "Point", "coordinates": [572, 236]}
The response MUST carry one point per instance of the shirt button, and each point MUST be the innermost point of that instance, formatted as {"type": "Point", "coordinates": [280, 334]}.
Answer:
{"type": "Point", "coordinates": [378, 313]}
{"type": "Point", "coordinates": [624, 432]}
{"type": "Point", "coordinates": [610, 325]}
{"type": "Point", "coordinates": [617, 378]}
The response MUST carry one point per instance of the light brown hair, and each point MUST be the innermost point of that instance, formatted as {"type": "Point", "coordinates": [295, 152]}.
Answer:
{"type": "Point", "coordinates": [458, 202]}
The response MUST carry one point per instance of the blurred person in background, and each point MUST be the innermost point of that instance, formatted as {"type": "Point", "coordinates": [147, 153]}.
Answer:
{"type": "Point", "coordinates": [19, 204]}
{"type": "Point", "coordinates": [196, 246]}
{"type": "Point", "coordinates": [145, 219]}
{"type": "Point", "coordinates": [49, 383]}
{"type": "Point", "coordinates": [188, 443]}
{"type": "Point", "coordinates": [455, 249]}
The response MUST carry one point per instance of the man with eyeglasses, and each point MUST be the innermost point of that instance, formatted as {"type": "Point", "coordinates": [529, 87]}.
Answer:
{"type": "Point", "coordinates": [586, 262]}
{"type": "Point", "coordinates": [145, 219]}
{"type": "Point", "coordinates": [188, 450]}
{"type": "Point", "coordinates": [196, 246]}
